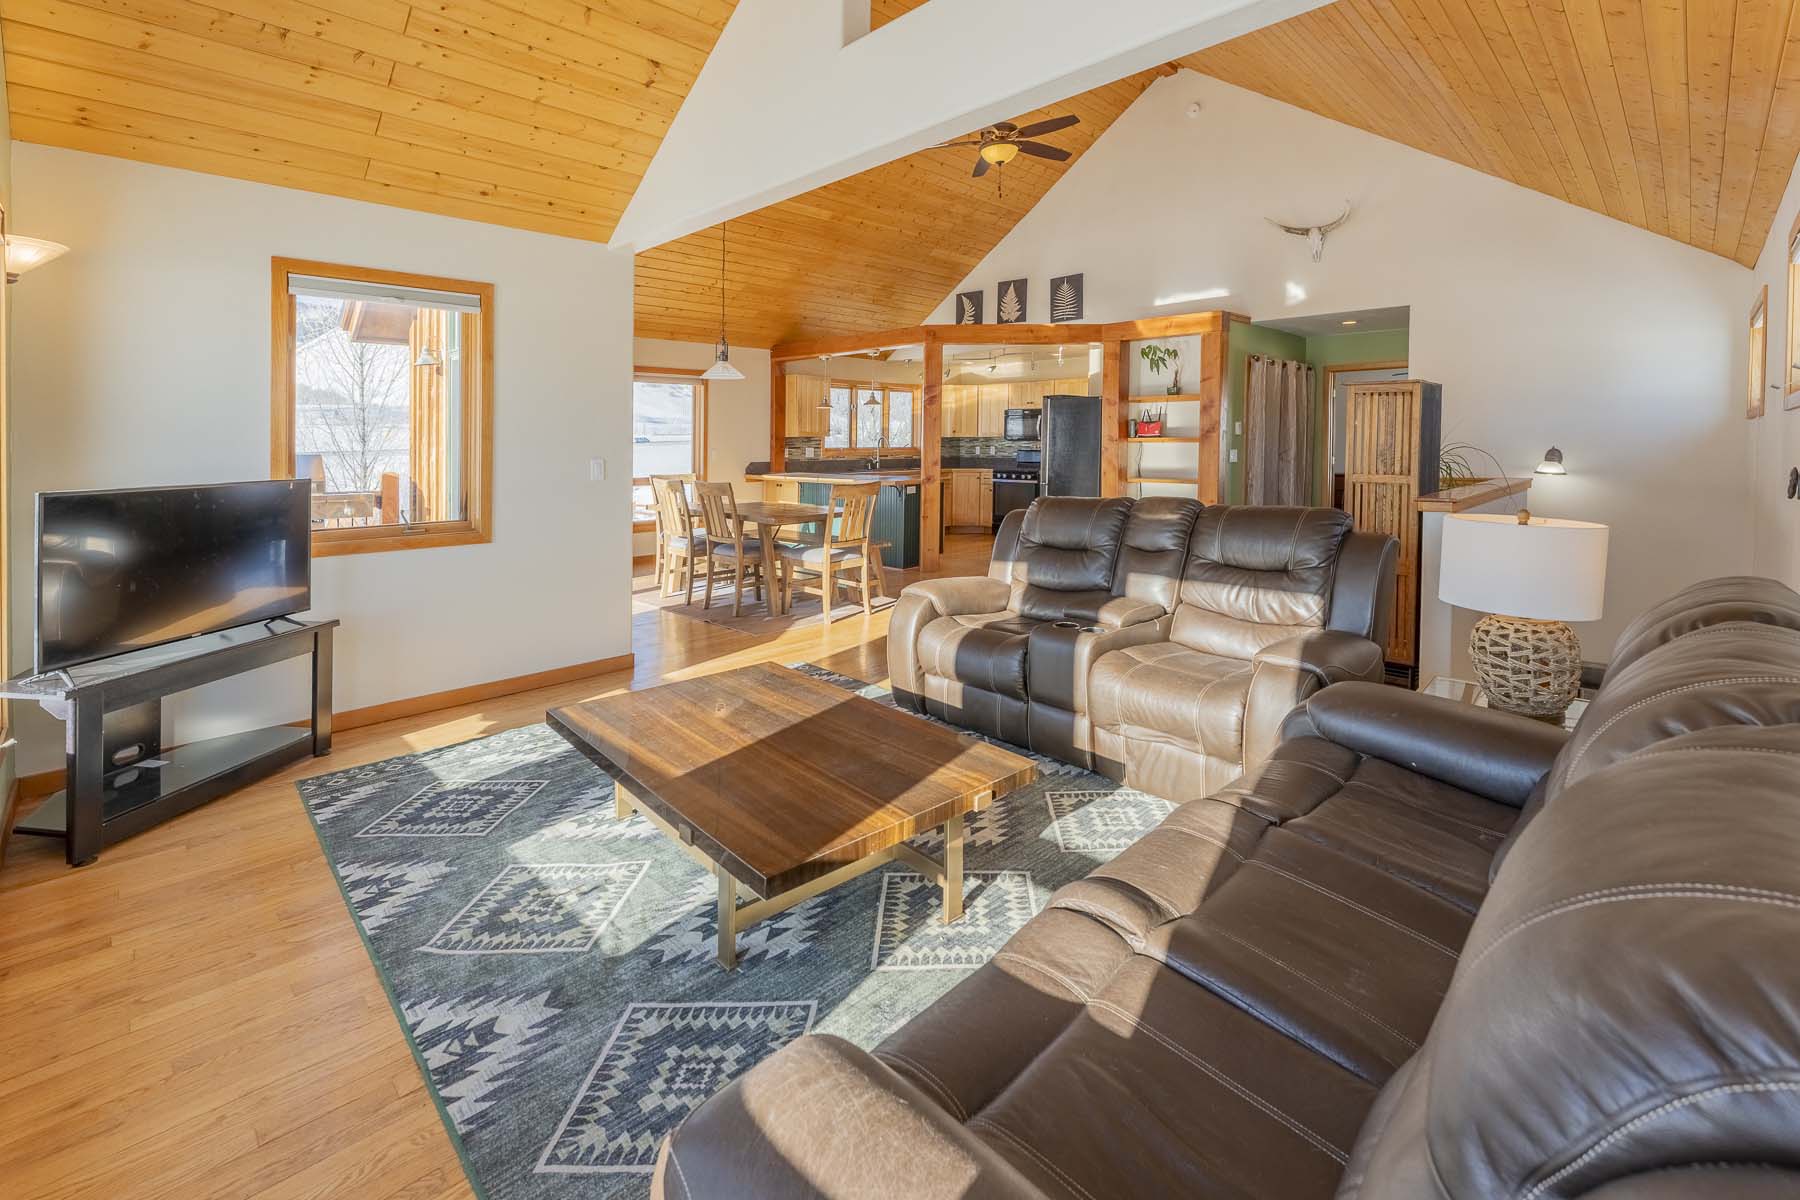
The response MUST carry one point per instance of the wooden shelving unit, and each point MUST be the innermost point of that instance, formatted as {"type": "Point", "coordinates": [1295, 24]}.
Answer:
{"type": "Point", "coordinates": [1183, 398]}
{"type": "Point", "coordinates": [1174, 441]}
{"type": "Point", "coordinates": [1178, 480]}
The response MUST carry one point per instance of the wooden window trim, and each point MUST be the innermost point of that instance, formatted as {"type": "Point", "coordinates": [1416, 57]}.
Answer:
{"type": "Point", "coordinates": [701, 400]}
{"type": "Point", "coordinates": [1789, 386]}
{"type": "Point", "coordinates": [1757, 400]}
{"type": "Point", "coordinates": [478, 411]}
{"type": "Point", "coordinates": [853, 450]}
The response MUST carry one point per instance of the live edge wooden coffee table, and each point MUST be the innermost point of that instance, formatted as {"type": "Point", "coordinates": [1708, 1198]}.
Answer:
{"type": "Point", "coordinates": [783, 785]}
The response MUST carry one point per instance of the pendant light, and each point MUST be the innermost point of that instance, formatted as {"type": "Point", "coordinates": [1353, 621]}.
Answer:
{"type": "Point", "coordinates": [825, 393]}
{"type": "Point", "coordinates": [722, 368]}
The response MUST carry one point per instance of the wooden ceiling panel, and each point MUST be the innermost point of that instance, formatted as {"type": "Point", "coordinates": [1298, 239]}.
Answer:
{"type": "Point", "coordinates": [540, 114]}
{"type": "Point", "coordinates": [877, 250]}
{"type": "Point", "coordinates": [1679, 116]}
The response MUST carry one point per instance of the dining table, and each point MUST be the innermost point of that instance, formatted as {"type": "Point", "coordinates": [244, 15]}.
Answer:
{"type": "Point", "coordinates": [770, 517]}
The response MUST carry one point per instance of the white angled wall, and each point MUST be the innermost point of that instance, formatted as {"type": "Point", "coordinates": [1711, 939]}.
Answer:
{"type": "Point", "coordinates": [1774, 438]}
{"type": "Point", "coordinates": [1546, 323]}
{"type": "Point", "coordinates": [143, 358]}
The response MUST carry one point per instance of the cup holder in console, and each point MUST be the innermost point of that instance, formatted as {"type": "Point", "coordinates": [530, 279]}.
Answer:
{"type": "Point", "coordinates": [1065, 624]}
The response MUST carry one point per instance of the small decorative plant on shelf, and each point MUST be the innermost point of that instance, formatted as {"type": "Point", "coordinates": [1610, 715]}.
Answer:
{"type": "Point", "coordinates": [1150, 422]}
{"type": "Point", "coordinates": [1164, 358]}
{"type": "Point", "coordinates": [1454, 469]}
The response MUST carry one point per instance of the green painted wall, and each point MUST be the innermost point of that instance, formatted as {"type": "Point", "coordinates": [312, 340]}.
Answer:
{"type": "Point", "coordinates": [1328, 350]}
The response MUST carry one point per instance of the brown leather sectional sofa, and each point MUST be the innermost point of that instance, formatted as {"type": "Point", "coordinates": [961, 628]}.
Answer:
{"type": "Point", "coordinates": [1306, 985]}
{"type": "Point", "coordinates": [1158, 642]}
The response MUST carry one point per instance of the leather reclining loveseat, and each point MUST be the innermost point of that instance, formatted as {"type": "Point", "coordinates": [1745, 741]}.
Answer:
{"type": "Point", "coordinates": [1306, 985]}
{"type": "Point", "coordinates": [1157, 641]}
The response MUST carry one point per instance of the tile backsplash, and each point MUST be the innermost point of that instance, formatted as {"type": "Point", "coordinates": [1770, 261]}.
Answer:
{"type": "Point", "coordinates": [801, 448]}
{"type": "Point", "coordinates": [984, 447]}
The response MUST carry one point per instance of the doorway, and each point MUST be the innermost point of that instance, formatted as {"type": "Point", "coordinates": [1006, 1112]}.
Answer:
{"type": "Point", "coordinates": [1337, 379]}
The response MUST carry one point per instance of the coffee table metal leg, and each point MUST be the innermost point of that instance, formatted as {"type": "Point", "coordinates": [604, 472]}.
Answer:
{"type": "Point", "coordinates": [727, 919]}
{"type": "Point", "coordinates": [953, 868]}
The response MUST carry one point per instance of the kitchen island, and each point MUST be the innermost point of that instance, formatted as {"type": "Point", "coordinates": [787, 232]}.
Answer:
{"type": "Point", "coordinates": [896, 520]}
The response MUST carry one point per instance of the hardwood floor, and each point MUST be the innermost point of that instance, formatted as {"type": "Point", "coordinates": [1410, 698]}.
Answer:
{"type": "Point", "coordinates": [194, 1014]}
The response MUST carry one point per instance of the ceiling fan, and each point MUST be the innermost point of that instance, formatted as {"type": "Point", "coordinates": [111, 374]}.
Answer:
{"type": "Point", "coordinates": [1003, 141]}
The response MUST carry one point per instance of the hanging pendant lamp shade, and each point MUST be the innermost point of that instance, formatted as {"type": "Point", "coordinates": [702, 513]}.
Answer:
{"type": "Point", "coordinates": [722, 368]}
{"type": "Point", "coordinates": [825, 393]}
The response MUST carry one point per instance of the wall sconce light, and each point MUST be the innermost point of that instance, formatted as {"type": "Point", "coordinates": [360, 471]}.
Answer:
{"type": "Point", "coordinates": [427, 358]}
{"type": "Point", "coordinates": [1552, 464]}
{"type": "Point", "coordinates": [25, 253]}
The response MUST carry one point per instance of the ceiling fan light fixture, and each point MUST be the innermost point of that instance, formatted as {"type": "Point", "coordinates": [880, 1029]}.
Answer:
{"type": "Point", "coordinates": [1000, 153]}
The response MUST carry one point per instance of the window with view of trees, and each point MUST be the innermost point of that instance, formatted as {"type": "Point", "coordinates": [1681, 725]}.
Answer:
{"type": "Point", "coordinates": [381, 399]}
{"type": "Point", "coordinates": [864, 418]}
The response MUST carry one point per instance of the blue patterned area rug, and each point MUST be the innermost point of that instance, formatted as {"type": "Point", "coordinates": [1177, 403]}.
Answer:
{"type": "Point", "coordinates": [553, 966]}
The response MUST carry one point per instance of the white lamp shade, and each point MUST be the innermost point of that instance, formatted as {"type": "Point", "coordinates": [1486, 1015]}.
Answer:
{"type": "Point", "coordinates": [24, 253]}
{"type": "Point", "coordinates": [1549, 570]}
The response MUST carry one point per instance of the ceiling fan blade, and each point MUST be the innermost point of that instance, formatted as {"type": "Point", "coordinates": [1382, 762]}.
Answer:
{"type": "Point", "coordinates": [981, 166]}
{"type": "Point", "coordinates": [969, 142]}
{"type": "Point", "coordinates": [1040, 150]}
{"type": "Point", "coordinates": [1050, 126]}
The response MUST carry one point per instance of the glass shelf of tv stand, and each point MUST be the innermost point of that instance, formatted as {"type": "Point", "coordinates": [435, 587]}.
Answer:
{"type": "Point", "coordinates": [59, 685]}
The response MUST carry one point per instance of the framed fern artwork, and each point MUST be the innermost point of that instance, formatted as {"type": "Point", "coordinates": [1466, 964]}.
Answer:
{"type": "Point", "coordinates": [1009, 302]}
{"type": "Point", "coordinates": [968, 308]}
{"type": "Point", "coordinates": [1066, 298]}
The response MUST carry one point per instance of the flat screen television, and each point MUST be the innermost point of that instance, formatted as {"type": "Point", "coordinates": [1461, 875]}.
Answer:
{"type": "Point", "coordinates": [124, 570]}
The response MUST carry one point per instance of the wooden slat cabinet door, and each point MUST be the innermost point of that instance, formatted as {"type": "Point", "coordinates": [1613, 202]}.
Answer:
{"type": "Point", "coordinates": [985, 518]}
{"type": "Point", "coordinates": [1390, 457]}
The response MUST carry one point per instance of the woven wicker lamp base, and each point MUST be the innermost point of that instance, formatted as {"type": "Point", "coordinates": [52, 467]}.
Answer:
{"type": "Point", "coordinates": [1532, 668]}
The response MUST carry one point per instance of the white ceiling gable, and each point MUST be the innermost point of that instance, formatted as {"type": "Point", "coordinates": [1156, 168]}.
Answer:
{"type": "Point", "coordinates": [796, 94]}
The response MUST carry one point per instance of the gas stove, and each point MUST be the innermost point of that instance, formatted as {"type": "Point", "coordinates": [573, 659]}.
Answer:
{"type": "Point", "coordinates": [1025, 468]}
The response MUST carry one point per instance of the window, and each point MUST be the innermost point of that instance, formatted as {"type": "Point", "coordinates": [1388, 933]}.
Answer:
{"type": "Point", "coordinates": [1759, 355]}
{"type": "Point", "coordinates": [1790, 375]}
{"type": "Point", "coordinates": [668, 424]}
{"type": "Point", "coordinates": [865, 417]}
{"type": "Point", "coordinates": [382, 397]}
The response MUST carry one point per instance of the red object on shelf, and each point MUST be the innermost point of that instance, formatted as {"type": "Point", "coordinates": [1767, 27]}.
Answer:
{"type": "Point", "coordinates": [1149, 428]}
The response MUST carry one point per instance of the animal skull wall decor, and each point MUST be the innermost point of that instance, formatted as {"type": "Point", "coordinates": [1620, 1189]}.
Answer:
{"type": "Point", "coordinates": [1314, 234]}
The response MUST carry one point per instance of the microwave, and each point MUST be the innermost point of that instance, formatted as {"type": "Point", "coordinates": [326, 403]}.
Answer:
{"type": "Point", "coordinates": [1022, 424]}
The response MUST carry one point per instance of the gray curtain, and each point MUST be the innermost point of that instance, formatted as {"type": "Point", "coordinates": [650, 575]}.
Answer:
{"type": "Point", "coordinates": [1279, 431]}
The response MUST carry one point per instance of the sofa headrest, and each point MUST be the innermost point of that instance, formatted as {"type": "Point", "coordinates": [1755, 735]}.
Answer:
{"type": "Point", "coordinates": [1732, 598]}
{"type": "Point", "coordinates": [1268, 537]}
{"type": "Point", "coordinates": [1155, 549]}
{"type": "Point", "coordinates": [1629, 997]}
{"type": "Point", "coordinates": [1066, 545]}
{"type": "Point", "coordinates": [1256, 574]}
{"type": "Point", "coordinates": [1733, 673]}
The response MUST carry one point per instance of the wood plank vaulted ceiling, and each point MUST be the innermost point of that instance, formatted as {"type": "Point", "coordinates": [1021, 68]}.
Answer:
{"type": "Point", "coordinates": [1680, 116]}
{"type": "Point", "coordinates": [541, 114]}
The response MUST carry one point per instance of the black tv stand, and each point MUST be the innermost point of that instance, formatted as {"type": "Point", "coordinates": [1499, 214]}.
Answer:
{"type": "Point", "coordinates": [120, 779]}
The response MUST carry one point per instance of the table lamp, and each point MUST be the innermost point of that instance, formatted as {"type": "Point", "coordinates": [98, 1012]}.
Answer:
{"type": "Point", "coordinates": [1531, 575]}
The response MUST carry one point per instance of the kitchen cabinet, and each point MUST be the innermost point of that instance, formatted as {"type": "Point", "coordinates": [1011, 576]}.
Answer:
{"type": "Point", "coordinates": [968, 499]}
{"type": "Point", "coordinates": [777, 491]}
{"type": "Point", "coordinates": [992, 401]}
{"type": "Point", "coordinates": [804, 416]}
{"type": "Point", "coordinates": [961, 416]}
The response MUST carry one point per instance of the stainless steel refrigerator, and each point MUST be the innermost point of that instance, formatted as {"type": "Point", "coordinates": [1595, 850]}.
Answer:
{"type": "Point", "coordinates": [1070, 433]}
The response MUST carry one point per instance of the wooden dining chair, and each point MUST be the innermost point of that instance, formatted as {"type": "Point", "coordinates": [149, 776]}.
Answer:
{"type": "Point", "coordinates": [680, 540]}
{"type": "Point", "coordinates": [726, 543]}
{"type": "Point", "coordinates": [664, 528]}
{"type": "Point", "coordinates": [845, 556]}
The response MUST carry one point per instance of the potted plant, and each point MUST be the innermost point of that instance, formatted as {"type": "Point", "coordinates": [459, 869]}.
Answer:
{"type": "Point", "coordinates": [1161, 358]}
